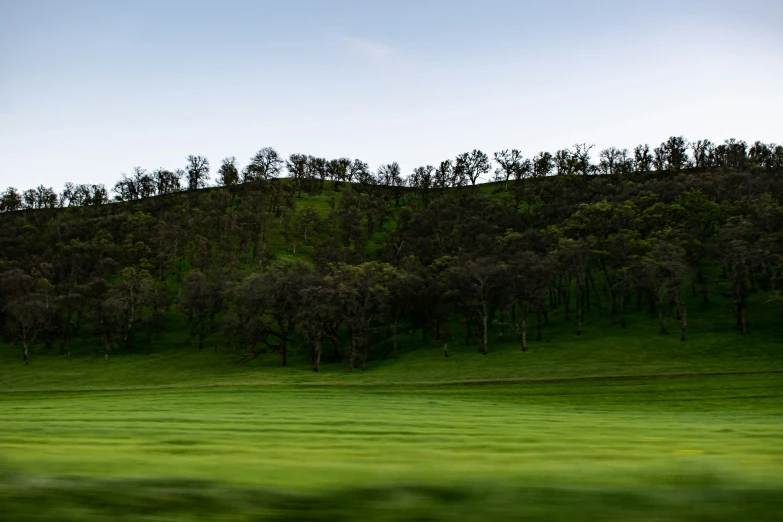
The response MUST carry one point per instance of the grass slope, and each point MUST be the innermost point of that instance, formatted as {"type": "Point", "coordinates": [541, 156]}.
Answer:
{"type": "Point", "coordinates": [617, 424]}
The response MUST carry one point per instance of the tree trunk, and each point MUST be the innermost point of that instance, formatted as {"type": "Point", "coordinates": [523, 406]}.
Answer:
{"type": "Point", "coordinates": [485, 319]}
{"type": "Point", "coordinates": [587, 279]}
{"type": "Point", "coordinates": [742, 318]}
{"type": "Point", "coordinates": [350, 353]}
{"type": "Point", "coordinates": [523, 336]}
{"type": "Point", "coordinates": [579, 306]}
{"type": "Point", "coordinates": [316, 355]}
{"type": "Point", "coordinates": [622, 309]}
{"type": "Point", "coordinates": [538, 327]}
{"type": "Point", "coordinates": [26, 353]}
{"type": "Point", "coordinates": [201, 336]}
{"type": "Point", "coordinates": [684, 320]}
{"type": "Point", "coordinates": [394, 333]}
{"type": "Point", "coordinates": [283, 352]}
{"type": "Point", "coordinates": [613, 309]}
{"type": "Point", "coordinates": [335, 350]}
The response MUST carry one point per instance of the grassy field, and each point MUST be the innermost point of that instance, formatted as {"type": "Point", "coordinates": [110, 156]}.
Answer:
{"type": "Point", "coordinates": [649, 448]}
{"type": "Point", "coordinates": [613, 425]}
{"type": "Point", "coordinates": [698, 447]}
{"type": "Point", "coordinates": [618, 432]}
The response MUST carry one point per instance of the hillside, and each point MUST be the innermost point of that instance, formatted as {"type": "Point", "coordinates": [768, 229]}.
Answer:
{"type": "Point", "coordinates": [158, 330]}
{"type": "Point", "coordinates": [608, 271]}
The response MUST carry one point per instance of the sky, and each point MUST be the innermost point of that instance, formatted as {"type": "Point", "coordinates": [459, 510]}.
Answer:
{"type": "Point", "coordinates": [90, 89]}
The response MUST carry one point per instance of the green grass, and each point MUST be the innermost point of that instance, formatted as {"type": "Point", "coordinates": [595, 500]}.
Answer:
{"type": "Point", "coordinates": [608, 431]}
{"type": "Point", "coordinates": [603, 350]}
{"type": "Point", "coordinates": [651, 446]}
{"type": "Point", "coordinates": [617, 424]}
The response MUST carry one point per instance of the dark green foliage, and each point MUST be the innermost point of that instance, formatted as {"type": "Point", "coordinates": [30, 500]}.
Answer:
{"type": "Point", "coordinates": [244, 262]}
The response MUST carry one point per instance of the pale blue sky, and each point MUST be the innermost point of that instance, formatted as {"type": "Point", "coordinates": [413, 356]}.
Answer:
{"type": "Point", "coordinates": [90, 89]}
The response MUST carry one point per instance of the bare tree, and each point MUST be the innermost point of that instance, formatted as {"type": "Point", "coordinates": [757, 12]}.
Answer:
{"type": "Point", "coordinates": [337, 170]}
{"type": "Point", "coordinates": [581, 155]}
{"type": "Point", "coordinates": [472, 165]}
{"type": "Point", "coordinates": [611, 160]}
{"type": "Point", "coordinates": [227, 173]}
{"type": "Point", "coordinates": [565, 163]}
{"type": "Point", "coordinates": [702, 153]}
{"type": "Point", "coordinates": [39, 197]}
{"type": "Point", "coordinates": [167, 181]}
{"type": "Point", "coordinates": [356, 170]}
{"type": "Point", "coordinates": [265, 164]}
{"type": "Point", "coordinates": [297, 168]}
{"type": "Point", "coordinates": [198, 172]}
{"type": "Point", "coordinates": [643, 161]}
{"type": "Point", "coordinates": [542, 165]}
{"type": "Point", "coordinates": [511, 164]}
{"type": "Point", "coordinates": [444, 174]}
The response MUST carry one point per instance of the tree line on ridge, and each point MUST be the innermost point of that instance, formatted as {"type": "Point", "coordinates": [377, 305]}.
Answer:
{"type": "Point", "coordinates": [336, 260]}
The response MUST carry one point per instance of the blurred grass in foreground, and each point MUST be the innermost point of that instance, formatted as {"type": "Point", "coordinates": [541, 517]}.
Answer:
{"type": "Point", "coordinates": [650, 449]}
{"type": "Point", "coordinates": [72, 500]}
{"type": "Point", "coordinates": [199, 437]}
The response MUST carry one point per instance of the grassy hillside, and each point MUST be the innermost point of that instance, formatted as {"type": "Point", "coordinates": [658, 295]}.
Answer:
{"type": "Point", "coordinates": [72, 248]}
{"type": "Point", "coordinates": [613, 424]}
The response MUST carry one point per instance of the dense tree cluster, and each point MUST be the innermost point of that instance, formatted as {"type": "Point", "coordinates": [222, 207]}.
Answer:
{"type": "Point", "coordinates": [340, 259]}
